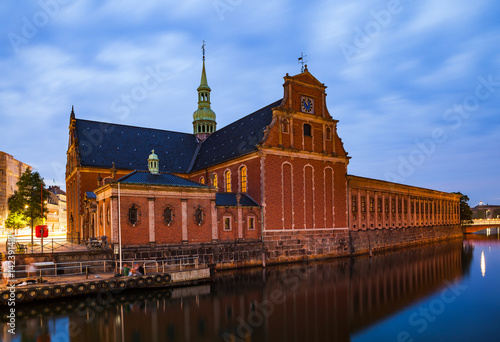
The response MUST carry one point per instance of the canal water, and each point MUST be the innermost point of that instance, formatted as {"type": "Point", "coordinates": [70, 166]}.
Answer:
{"type": "Point", "coordinates": [446, 291]}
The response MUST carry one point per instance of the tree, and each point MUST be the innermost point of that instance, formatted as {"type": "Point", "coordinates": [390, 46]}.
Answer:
{"type": "Point", "coordinates": [30, 198]}
{"type": "Point", "coordinates": [465, 211]}
{"type": "Point", "coordinates": [15, 220]}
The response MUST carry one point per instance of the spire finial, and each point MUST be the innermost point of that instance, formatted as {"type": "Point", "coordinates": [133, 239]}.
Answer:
{"type": "Point", "coordinates": [203, 48]}
{"type": "Point", "coordinates": [303, 62]}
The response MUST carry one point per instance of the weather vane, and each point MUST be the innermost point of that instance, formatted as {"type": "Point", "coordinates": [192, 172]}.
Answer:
{"type": "Point", "coordinates": [203, 48]}
{"type": "Point", "coordinates": [302, 61]}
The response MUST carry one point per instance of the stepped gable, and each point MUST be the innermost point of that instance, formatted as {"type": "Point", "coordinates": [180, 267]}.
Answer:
{"type": "Point", "coordinates": [100, 144]}
{"type": "Point", "coordinates": [236, 139]}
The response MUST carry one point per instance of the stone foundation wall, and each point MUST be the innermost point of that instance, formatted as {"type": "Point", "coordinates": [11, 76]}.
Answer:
{"type": "Point", "coordinates": [290, 246]}
{"type": "Point", "coordinates": [220, 254]}
{"type": "Point", "coordinates": [361, 242]}
{"type": "Point", "coordinates": [276, 247]}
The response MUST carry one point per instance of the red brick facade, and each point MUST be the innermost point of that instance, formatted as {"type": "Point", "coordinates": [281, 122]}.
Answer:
{"type": "Point", "coordinates": [297, 175]}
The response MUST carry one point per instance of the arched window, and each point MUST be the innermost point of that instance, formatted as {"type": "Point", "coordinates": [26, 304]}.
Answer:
{"type": "Point", "coordinates": [168, 215]}
{"type": "Point", "coordinates": [328, 133]}
{"type": "Point", "coordinates": [198, 216]}
{"type": "Point", "coordinates": [214, 181]}
{"type": "Point", "coordinates": [307, 130]}
{"type": "Point", "coordinates": [227, 175]}
{"type": "Point", "coordinates": [243, 175]}
{"type": "Point", "coordinates": [202, 180]}
{"type": "Point", "coordinates": [133, 216]}
{"type": "Point", "coordinates": [285, 126]}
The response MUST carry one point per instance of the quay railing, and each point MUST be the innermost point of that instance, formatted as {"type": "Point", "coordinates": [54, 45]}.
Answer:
{"type": "Point", "coordinates": [23, 245]}
{"type": "Point", "coordinates": [93, 268]}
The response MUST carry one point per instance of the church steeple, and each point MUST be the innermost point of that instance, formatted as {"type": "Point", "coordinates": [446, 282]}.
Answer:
{"type": "Point", "coordinates": [204, 117]}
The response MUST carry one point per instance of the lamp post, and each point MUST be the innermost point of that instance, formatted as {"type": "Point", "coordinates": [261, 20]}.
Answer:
{"type": "Point", "coordinates": [119, 228]}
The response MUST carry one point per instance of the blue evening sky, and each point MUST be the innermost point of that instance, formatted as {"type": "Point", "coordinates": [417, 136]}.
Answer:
{"type": "Point", "coordinates": [415, 84]}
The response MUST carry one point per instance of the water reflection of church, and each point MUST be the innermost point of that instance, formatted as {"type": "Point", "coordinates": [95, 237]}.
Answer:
{"type": "Point", "coordinates": [325, 301]}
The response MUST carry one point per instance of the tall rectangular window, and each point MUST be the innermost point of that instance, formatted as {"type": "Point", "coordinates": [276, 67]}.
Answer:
{"type": "Point", "coordinates": [354, 203]}
{"type": "Point", "coordinates": [372, 204]}
{"type": "Point", "coordinates": [227, 223]}
{"type": "Point", "coordinates": [228, 180]}
{"type": "Point", "coordinates": [243, 175]}
{"type": "Point", "coordinates": [307, 130]}
{"type": "Point", "coordinates": [251, 223]}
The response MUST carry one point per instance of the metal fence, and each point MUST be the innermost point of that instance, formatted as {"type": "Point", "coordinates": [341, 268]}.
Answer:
{"type": "Point", "coordinates": [93, 268]}
{"type": "Point", "coordinates": [24, 245]}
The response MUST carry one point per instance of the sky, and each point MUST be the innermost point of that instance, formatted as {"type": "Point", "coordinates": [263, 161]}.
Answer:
{"type": "Point", "coordinates": [415, 85]}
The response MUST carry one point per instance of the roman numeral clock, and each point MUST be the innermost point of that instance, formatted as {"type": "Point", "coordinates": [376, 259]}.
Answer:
{"type": "Point", "coordinates": [307, 105]}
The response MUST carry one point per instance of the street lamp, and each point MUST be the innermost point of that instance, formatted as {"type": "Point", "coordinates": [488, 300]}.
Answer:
{"type": "Point", "coordinates": [119, 228]}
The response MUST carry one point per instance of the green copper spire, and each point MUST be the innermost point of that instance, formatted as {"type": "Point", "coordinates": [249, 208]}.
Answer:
{"type": "Point", "coordinates": [204, 82]}
{"type": "Point", "coordinates": [204, 117]}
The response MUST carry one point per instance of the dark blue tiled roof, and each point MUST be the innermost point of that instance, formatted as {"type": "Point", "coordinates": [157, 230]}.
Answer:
{"type": "Point", "coordinates": [128, 147]}
{"type": "Point", "coordinates": [90, 194]}
{"type": "Point", "coordinates": [225, 199]}
{"type": "Point", "coordinates": [163, 178]}
{"type": "Point", "coordinates": [237, 139]}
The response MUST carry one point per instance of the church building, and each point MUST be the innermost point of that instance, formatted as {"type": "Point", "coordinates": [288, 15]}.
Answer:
{"type": "Point", "coordinates": [276, 178]}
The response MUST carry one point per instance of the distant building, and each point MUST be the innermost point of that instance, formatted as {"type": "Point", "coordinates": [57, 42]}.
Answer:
{"type": "Point", "coordinates": [485, 211]}
{"type": "Point", "coordinates": [10, 172]}
{"type": "Point", "coordinates": [56, 205]}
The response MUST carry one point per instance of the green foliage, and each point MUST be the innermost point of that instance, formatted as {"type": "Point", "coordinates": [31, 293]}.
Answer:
{"type": "Point", "coordinates": [465, 211]}
{"type": "Point", "coordinates": [15, 220]}
{"type": "Point", "coordinates": [30, 197]}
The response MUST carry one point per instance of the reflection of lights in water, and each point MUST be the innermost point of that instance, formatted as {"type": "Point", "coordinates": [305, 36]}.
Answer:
{"type": "Point", "coordinates": [483, 263]}
{"type": "Point", "coordinates": [488, 231]}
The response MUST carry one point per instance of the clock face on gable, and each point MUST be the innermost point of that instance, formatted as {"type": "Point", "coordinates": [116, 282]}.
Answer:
{"type": "Point", "coordinates": [307, 105]}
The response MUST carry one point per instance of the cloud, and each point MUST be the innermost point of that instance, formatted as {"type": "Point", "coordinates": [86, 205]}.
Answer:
{"type": "Point", "coordinates": [425, 59]}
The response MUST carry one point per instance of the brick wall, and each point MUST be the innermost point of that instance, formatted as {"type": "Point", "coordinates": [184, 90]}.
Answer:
{"type": "Point", "coordinates": [304, 194]}
{"type": "Point", "coordinates": [298, 245]}
{"type": "Point", "coordinates": [253, 176]}
{"type": "Point", "coordinates": [239, 227]}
